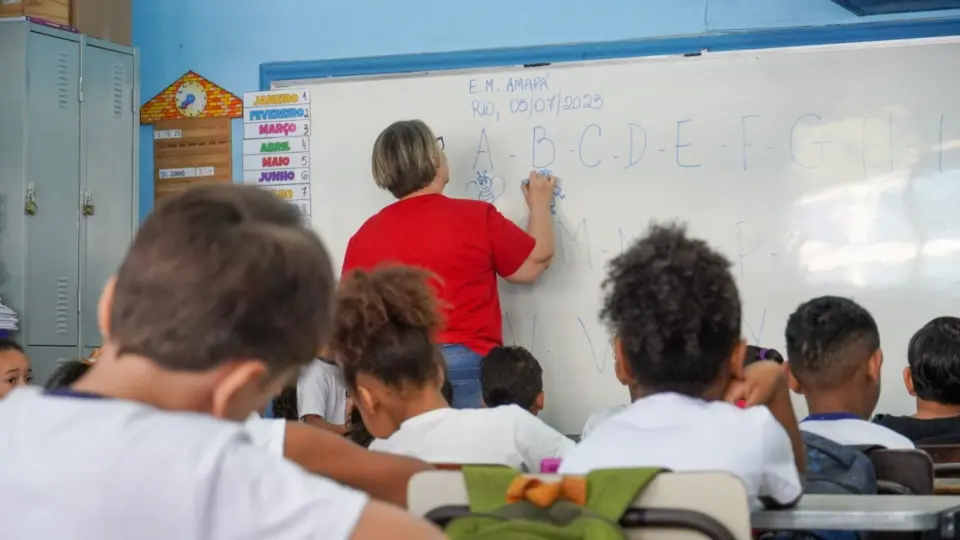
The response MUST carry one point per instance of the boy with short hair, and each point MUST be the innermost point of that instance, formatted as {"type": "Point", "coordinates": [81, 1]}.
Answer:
{"type": "Point", "coordinates": [674, 309]}
{"type": "Point", "coordinates": [834, 360]}
{"type": "Point", "coordinates": [220, 300]}
{"type": "Point", "coordinates": [512, 376]}
{"type": "Point", "coordinates": [932, 376]}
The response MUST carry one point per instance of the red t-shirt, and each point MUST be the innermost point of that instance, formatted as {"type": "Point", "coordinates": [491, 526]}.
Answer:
{"type": "Point", "coordinates": [466, 243]}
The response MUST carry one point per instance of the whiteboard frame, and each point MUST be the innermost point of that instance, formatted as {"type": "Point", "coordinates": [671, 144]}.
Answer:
{"type": "Point", "coordinates": [279, 72]}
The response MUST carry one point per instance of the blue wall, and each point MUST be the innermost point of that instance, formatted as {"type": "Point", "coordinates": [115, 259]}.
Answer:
{"type": "Point", "coordinates": [227, 40]}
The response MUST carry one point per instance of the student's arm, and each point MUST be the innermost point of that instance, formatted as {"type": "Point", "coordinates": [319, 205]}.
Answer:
{"type": "Point", "coordinates": [782, 409]}
{"type": "Point", "coordinates": [380, 521]}
{"type": "Point", "coordinates": [317, 422]}
{"type": "Point", "coordinates": [780, 484]}
{"type": "Point", "coordinates": [765, 383]}
{"type": "Point", "coordinates": [249, 494]}
{"type": "Point", "coordinates": [536, 440]}
{"type": "Point", "coordinates": [384, 476]}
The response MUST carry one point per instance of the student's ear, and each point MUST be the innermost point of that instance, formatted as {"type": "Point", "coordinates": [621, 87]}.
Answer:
{"type": "Point", "coordinates": [366, 399]}
{"type": "Point", "coordinates": [792, 381]}
{"type": "Point", "coordinates": [538, 403]}
{"type": "Point", "coordinates": [241, 387]}
{"type": "Point", "coordinates": [908, 381]}
{"type": "Point", "coordinates": [875, 365]}
{"type": "Point", "coordinates": [737, 358]}
{"type": "Point", "coordinates": [105, 306]}
{"type": "Point", "coordinates": [620, 365]}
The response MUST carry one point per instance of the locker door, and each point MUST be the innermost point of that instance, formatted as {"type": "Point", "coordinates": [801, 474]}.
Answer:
{"type": "Point", "coordinates": [107, 124]}
{"type": "Point", "coordinates": [53, 171]}
{"type": "Point", "coordinates": [44, 360]}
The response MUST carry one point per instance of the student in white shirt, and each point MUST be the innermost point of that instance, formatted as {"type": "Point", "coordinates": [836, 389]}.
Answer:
{"type": "Point", "coordinates": [220, 300]}
{"type": "Point", "coordinates": [834, 359]}
{"type": "Point", "coordinates": [394, 371]}
{"type": "Point", "coordinates": [674, 309]}
{"type": "Point", "coordinates": [596, 419]}
{"type": "Point", "coordinates": [321, 396]}
{"type": "Point", "coordinates": [383, 476]}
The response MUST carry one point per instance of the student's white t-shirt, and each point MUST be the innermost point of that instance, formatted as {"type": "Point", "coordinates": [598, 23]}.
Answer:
{"type": "Point", "coordinates": [600, 417]}
{"type": "Point", "coordinates": [507, 435]}
{"type": "Point", "coordinates": [321, 392]}
{"type": "Point", "coordinates": [682, 433]}
{"type": "Point", "coordinates": [81, 467]}
{"type": "Point", "coordinates": [267, 433]}
{"type": "Point", "coordinates": [856, 432]}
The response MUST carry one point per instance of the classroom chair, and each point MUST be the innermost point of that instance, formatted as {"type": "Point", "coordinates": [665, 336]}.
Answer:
{"type": "Point", "coordinates": [902, 472]}
{"type": "Point", "coordinates": [675, 506]}
{"type": "Point", "coordinates": [946, 459]}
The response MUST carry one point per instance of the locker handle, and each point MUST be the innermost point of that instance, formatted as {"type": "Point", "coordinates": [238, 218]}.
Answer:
{"type": "Point", "coordinates": [30, 201]}
{"type": "Point", "coordinates": [87, 208]}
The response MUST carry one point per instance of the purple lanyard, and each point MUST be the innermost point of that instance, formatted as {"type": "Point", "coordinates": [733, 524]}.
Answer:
{"type": "Point", "coordinates": [831, 416]}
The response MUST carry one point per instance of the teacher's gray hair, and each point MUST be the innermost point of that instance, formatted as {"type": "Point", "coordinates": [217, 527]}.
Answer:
{"type": "Point", "coordinates": [405, 158]}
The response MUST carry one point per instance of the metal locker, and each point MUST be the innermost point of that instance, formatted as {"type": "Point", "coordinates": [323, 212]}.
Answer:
{"type": "Point", "coordinates": [106, 196]}
{"type": "Point", "coordinates": [13, 39]}
{"type": "Point", "coordinates": [44, 360]}
{"type": "Point", "coordinates": [53, 177]}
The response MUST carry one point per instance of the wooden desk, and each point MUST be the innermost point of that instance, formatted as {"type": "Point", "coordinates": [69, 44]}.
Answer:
{"type": "Point", "coordinates": [861, 513]}
{"type": "Point", "coordinates": [946, 486]}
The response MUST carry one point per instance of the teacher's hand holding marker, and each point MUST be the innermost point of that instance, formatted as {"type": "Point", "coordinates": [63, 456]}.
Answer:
{"type": "Point", "coordinates": [538, 190]}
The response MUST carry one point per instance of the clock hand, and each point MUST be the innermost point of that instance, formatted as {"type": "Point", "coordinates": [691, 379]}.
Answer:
{"type": "Point", "coordinates": [188, 101]}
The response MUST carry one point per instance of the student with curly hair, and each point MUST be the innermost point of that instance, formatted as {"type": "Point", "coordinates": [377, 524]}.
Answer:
{"type": "Point", "coordinates": [932, 376]}
{"type": "Point", "coordinates": [834, 360]}
{"type": "Point", "coordinates": [383, 338]}
{"type": "Point", "coordinates": [753, 354]}
{"type": "Point", "coordinates": [674, 310]}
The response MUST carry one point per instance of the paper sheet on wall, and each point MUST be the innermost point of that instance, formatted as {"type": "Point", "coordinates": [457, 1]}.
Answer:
{"type": "Point", "coordinates": [276, 145]}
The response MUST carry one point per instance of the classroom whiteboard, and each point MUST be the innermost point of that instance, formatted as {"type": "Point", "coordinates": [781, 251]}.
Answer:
{"type": "Point", "coordinates": [816, 170]}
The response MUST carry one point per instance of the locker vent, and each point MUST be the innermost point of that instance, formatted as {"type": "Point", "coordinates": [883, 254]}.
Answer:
{"type": "Point", "coordinates": [63, 80]}
{"type": "Point", "coordinates": [63, 304]}
{"type": "Point", "coordinates": [117, 80]}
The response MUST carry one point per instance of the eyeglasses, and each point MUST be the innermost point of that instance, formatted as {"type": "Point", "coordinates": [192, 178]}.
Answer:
{"type": "Point", "coordinates": [440, 142]}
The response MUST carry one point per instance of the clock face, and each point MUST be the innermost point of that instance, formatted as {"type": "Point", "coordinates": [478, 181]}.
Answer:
{"type": "Point", "coordinates": [191, 99]}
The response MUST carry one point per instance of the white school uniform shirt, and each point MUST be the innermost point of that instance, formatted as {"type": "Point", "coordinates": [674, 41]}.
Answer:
{"type": "Point", "coordinates": [267, 433]}
{"type": "Point", "coordinates": [114, 470]}
{"type": "Point", "coordinates": [600, 417]}
{"type": "Point", "coordinates": [850, 430]}
{"type": "Point", "coordinates": [506, 435]}
{"type": "Point", "coordinates": [682, 433]}
{"type": "Point", "coordinates": [320, 391]}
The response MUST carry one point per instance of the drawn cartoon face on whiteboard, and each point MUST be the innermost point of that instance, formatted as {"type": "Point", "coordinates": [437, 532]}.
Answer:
{"type": "Point", "coordinates": [485, 187]}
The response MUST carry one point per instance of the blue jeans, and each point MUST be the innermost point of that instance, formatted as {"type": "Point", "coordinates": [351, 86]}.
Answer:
{"type": "Point", "coordinates": [463, 371]}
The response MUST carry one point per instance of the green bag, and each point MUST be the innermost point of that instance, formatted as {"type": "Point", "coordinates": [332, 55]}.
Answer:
{"type": "Point", "coordinates": [609, 494]}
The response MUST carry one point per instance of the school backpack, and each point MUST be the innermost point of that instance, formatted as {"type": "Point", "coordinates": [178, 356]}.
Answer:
{"type": "Point", "coordinates": [832, 469]}
{"type": "Point", "coordinates": [505, 504]}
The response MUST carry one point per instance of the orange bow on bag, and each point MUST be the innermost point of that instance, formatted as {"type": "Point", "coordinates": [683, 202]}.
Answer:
{"type": "Point", "coordinates": [544, 494]}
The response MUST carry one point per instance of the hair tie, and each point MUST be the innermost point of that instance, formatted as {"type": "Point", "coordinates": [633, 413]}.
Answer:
{"type": "Point", "coordinates": [763, 354]}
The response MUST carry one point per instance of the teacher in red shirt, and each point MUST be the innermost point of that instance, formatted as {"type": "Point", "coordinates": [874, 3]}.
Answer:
{"type": "Point", "coordinates": [465, 243]}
